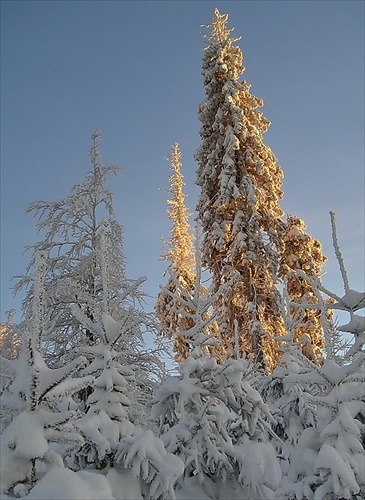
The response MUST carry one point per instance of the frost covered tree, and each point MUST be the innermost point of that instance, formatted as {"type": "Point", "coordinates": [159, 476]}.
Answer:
{"type": "Point", "coordinates": [117, 406]}
{"type": "Point", "coordinates": [84, 278]}
{"type": "Point", "coordinates": [351, 302]}
{"type": "Point", "coordinates": [182, 407]}
{"type": "Point", "coordinates": [301, 251]}
{"type": "Point", "coordinates": [328, 461]}
{"type": "Point", "coordinates": [109, 415]}
{"type": "Point", "coordinates": [180, 255]}
{"type": "Point", "coordinates": [209, 415]}
{"type": "Point", "coordinates": [288, 397]}
{"type": "Point", "coordinates": [27, 443]}
{"type": "Point", "coordinates": [76, 231]}
{"type": "Point", "coordinates": [240, 187]}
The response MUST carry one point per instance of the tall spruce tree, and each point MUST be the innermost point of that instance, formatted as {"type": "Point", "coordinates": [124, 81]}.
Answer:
{"type": "Point", "coordinates": [180, 254]}
{"type": "Point", "coordinates": [240, 187]}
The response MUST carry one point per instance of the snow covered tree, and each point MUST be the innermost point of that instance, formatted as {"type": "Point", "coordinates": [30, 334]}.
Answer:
{"type": "Point", "coordinates": [182, 407]}
{"type": "Point", "coordinates": [74, 239]}
{"type": "Point", "coordinates": [240, 187]}
{"type": "Point", "coordinates": [288, 398]}
{"type": "Point", "coordinates": [124, 372]}
{"type": "Point", "coordinates": [108, 415]}
{"type": "Point", "coordinates": [117, 406]}
{"type": "Point", "coordinates": [26, 443]}
{"type": "Point", "coordinates": [84, 279]}
{"type": "Point", "coordinates": [180, 255]}
{"type": "Point", "coordinates": [302, 252]}
{"type": "Point", "coordinates": [209, 415]}
{"type": "Point", "coordinates": [329, 460]}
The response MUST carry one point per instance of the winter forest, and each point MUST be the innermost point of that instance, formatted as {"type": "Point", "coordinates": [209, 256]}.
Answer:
{"type": "Point", "coordinates": [264, 398]}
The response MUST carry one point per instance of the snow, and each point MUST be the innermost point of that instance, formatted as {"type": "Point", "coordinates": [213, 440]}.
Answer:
{"type": "Point", "coordinates": [147, 458]}
{"type": "Point", "coordinates": [355, 325]}
{"type": "Point", "coordinates": [353, 299]}
{"type": "Point", "coordinates": [342, 479]}
{"type": "Point", "coordinates": [63, 484]}
{"type": "Point", "coordinates": [124, 485]}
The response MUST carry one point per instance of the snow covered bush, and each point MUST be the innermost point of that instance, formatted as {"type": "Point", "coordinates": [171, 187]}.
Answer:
{"type": "Point", "coordinates": [329, 460]}
{"type": "Point", "coordinates": [192, 424]}
{"type": "Point", "coordinates": [216, 422]}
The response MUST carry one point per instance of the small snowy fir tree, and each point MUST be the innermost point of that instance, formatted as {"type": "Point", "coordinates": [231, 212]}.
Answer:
{"type": "Point", "coordinates": [27, 443]}
{"type": "Point", "coordinates": [180, 254]}
{"type": "Point", "coordinates": [189, 425]}
{"type": "Point", "coordinates": [123, 374]}
{"type": "Point", "coordinates": [112, 408]}
{"type": "Point", "coordinates": [240, 187]}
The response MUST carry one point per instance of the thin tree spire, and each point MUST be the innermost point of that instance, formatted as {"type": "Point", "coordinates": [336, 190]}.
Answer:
{"type": "Point", "coordinates": [180, 255]}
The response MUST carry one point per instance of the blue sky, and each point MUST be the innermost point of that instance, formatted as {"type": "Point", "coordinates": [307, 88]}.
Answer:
{"type": "Point", "coordinates": [133, 70]}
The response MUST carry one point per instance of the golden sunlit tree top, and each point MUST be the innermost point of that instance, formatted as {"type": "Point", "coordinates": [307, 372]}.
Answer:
{"type": "Point", "coordinates": [218, 28]}
{"type": "Point", "coordinates": [181, 256]}
{"type": "Point", "coordinates": [180, 251]}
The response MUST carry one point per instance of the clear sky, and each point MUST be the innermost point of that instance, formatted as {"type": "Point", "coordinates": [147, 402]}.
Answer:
{"type": "Point", "coordinates": [133, 70]}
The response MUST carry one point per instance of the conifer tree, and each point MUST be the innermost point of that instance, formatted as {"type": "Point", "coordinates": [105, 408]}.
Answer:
{"type": "Point", "coordinates": [302, 252]}
{"type": "Point", "coordinates": [109, 416]}
{"type": "Point", "coordinates": [80, 235]}
{"type": "Point", "coordinates": [288, 399]}
{"type": "Point", "coordinates": [27, 443]}
{"type": "Point", "coordinates": [180, 255]}
{"type": "Point", "coordinates": [328, 461]}
{"type": "Point", "coordinates": [209, 415]}
{"type": "Point", "coordinates": [240, 187]}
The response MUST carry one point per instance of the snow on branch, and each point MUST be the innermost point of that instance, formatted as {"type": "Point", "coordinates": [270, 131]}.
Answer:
{"type": "Point", "coordinates": [338, 252]}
